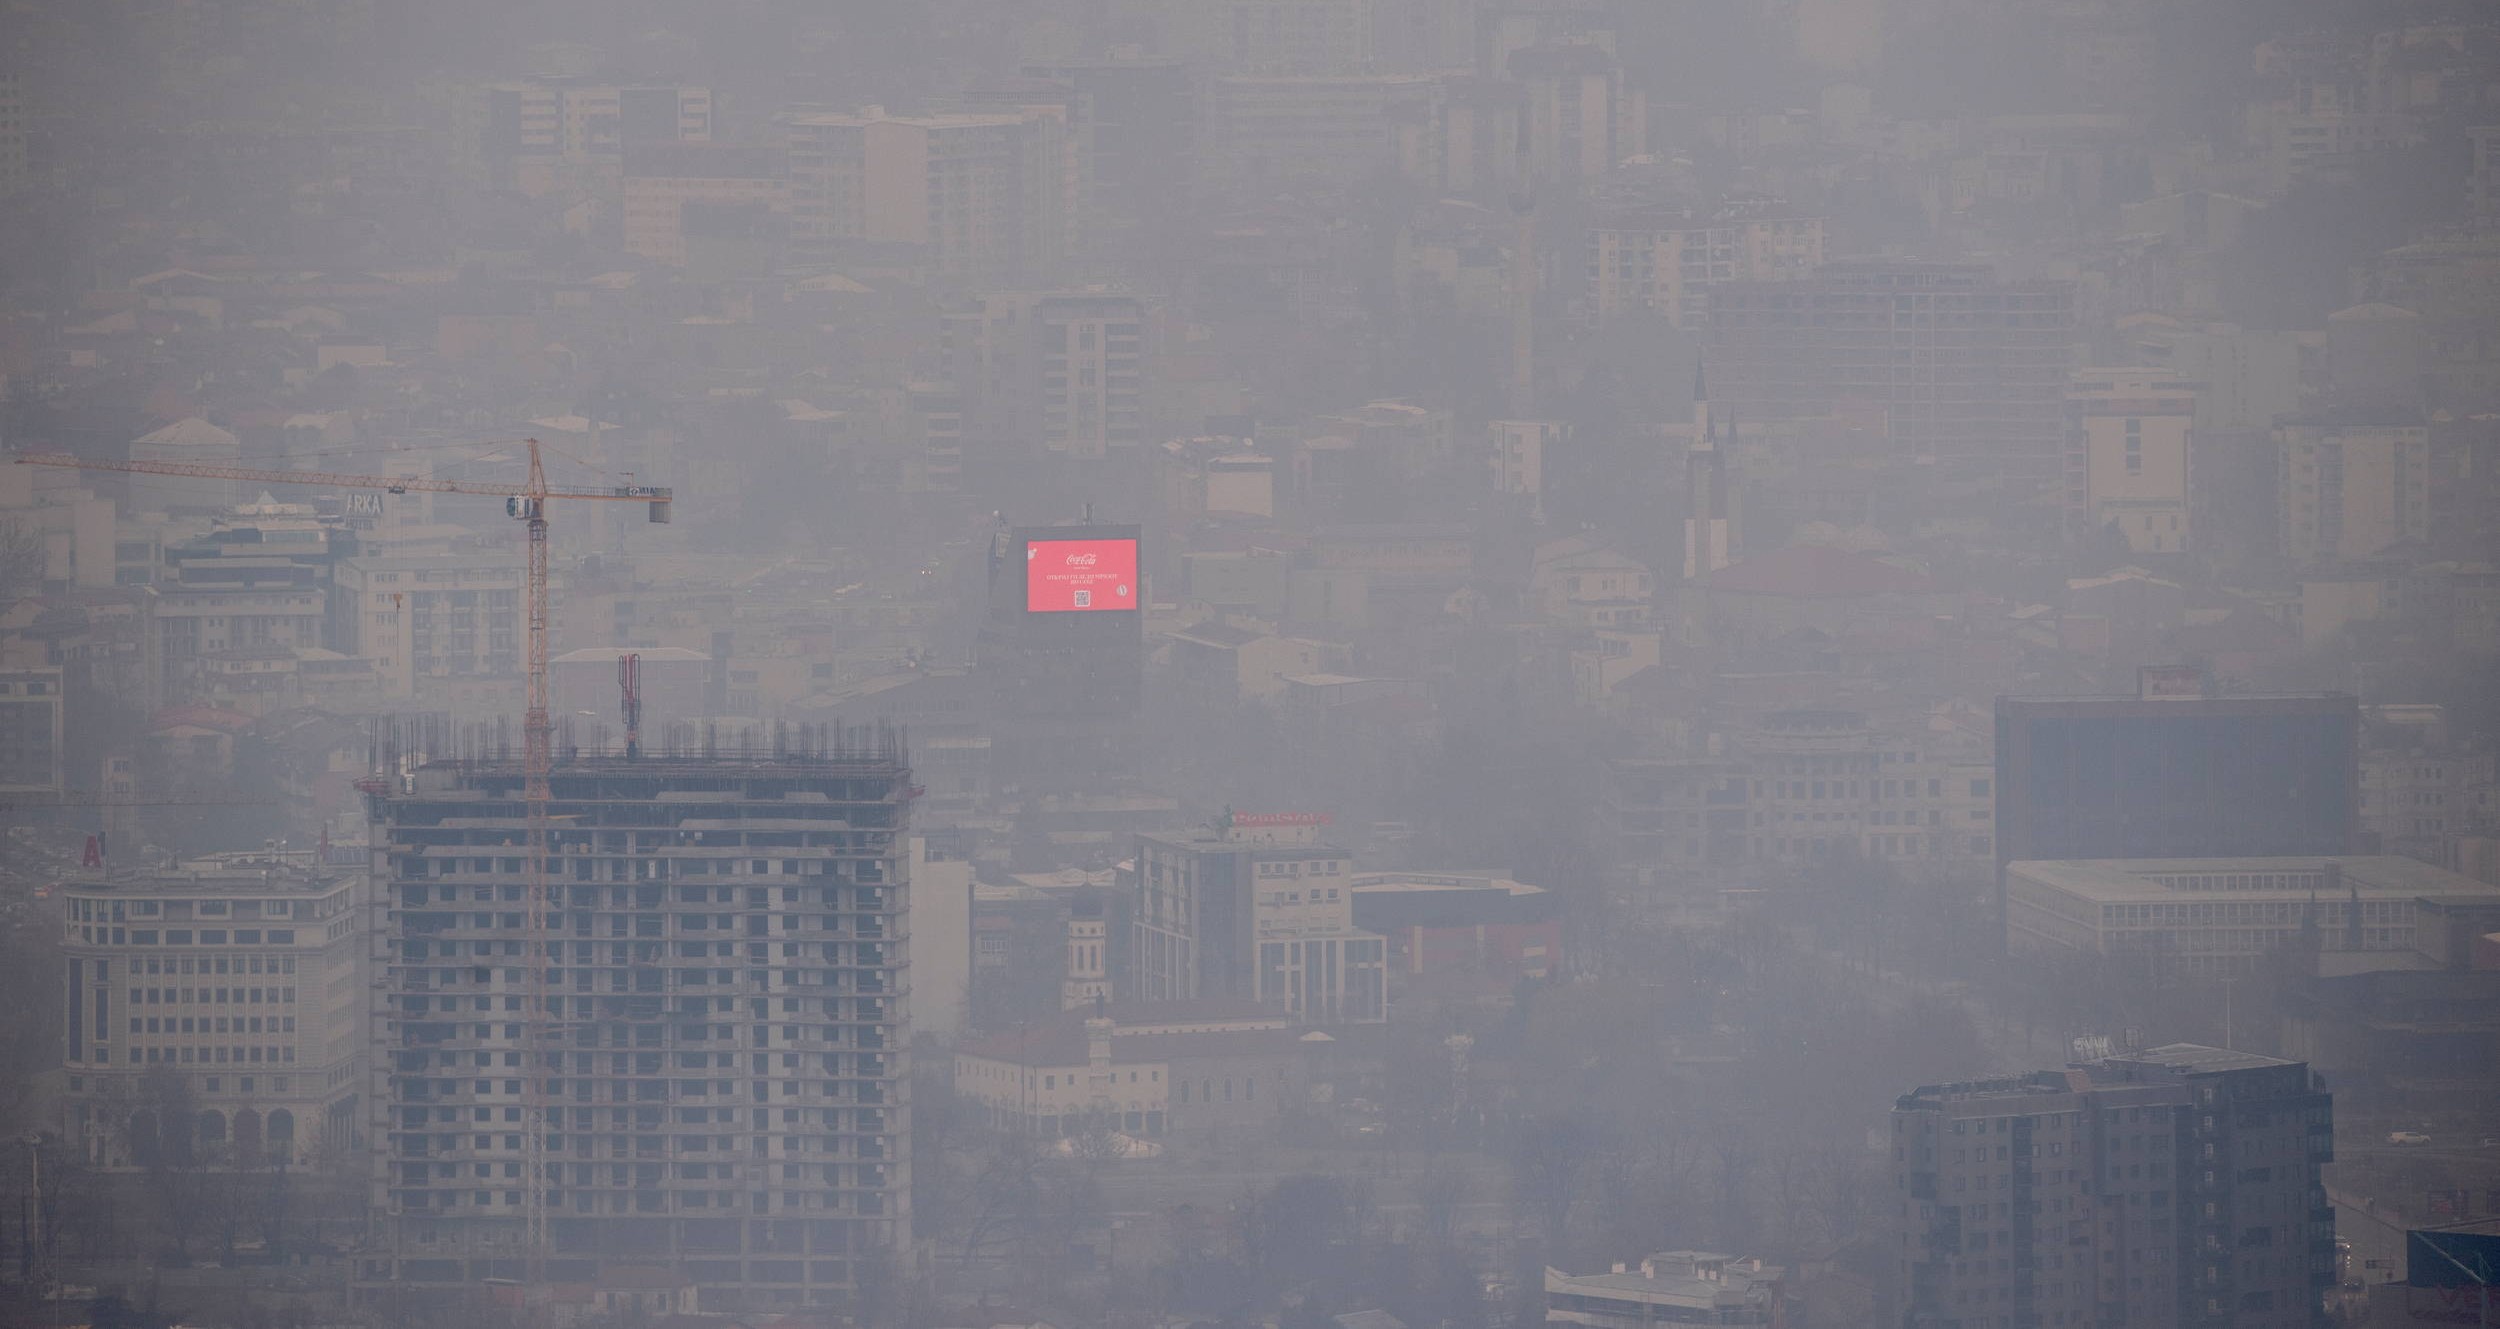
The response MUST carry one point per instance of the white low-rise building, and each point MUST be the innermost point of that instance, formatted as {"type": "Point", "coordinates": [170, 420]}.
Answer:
{"type": "Point", "coordinates": [2220, 917]}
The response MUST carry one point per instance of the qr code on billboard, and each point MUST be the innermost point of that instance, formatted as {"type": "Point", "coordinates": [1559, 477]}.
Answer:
{"type": "Point", "coordinates": [1084, 599]}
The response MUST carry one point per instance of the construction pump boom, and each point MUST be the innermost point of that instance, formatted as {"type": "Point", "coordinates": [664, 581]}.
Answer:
{"type": "Point", "coordinates": [529, 506]}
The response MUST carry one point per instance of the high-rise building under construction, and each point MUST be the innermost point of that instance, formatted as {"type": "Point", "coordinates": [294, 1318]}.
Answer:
{"type": "Point", "coordinates": [707, 1083]}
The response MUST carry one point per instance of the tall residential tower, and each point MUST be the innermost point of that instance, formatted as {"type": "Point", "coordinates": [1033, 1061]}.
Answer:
{"type": "Point", "coordinates": [716, 1086]}
{"type": "Point", "coordinates": [2175, 1187]}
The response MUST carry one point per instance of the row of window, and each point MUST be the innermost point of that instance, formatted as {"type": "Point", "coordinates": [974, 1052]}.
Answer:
{"type": "Point", "coordinates": [121, 911]}
{"type": "Point", "coordinates": [153, 996]}
{"type": "Point", "coordinates": [212, 1024]}
{"type": "Point", "coordinates": [113, 936]}
{"type": "Point", "coordinates": [220, 1055]}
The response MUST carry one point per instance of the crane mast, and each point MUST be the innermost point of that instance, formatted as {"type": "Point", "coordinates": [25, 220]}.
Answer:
{"type": "Point", "coordinates": [537, 748]}
{"type": "Point", "coordinates": [537, 764]}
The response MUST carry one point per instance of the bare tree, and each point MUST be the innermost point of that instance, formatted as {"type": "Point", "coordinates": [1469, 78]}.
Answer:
{"type": "Point", "coordinates": [1550, 1159]}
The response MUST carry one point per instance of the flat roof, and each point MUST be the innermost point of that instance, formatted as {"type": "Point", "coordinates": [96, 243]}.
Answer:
{"type": "Point", "coordinates": [2080, 700]}
{"type": "Point", "coordinates": [1201, 839]}
{"type": "Point", "coordinates": [2198, 1059]}
{"type": "Point", "coordinates": [1387, 883]}
{"type": "Point", "coordinates": [2130, 880]}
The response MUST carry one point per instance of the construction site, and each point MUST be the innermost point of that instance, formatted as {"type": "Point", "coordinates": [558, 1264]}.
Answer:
{"type": "Point", "coordinates": [687, 1072]}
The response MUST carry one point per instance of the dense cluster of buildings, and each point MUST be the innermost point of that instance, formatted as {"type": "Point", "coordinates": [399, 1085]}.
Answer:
{"type": "Point", "coordinates": [1130, 411]}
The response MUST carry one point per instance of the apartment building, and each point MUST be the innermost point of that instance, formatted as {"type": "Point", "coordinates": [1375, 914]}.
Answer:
{"type": "Point", "coordinates": [2245, 379]}
{"type": "Point", "coordinates": [1796, 786]}
{"type": "Point", "coordinates": [257, 583]}
{"type": "Point", "coordinates": [538, 136]}
{"type": "Point", "coordinates": [717, 1081]}
{"type": "Point", "coordinates": [1666, 261]}
{"type": "Point", "coordinates": [1970, 371]}
{"type": "Point", "coordinates": [1064, 369]}
{"type": "Point", "coordinates": [672, 190]}
{"type": "Point", "coordinates": [975, 196]}
{"type": "Point", "coordinates": [2421, 802]}
{"type": "Point", "coordinates": [1144, 1072]}
{"type": "Point", "coordinates": [1582, 118]}
{"type": "Point", "coordinates": [2351, 486]}
{"type": "Point", "coordinates": [1274, 38]}
{"type": "Point", "coordinates": [234, 986]}
{"type": "Point", "coordinates": [2172, 1187]}
{"type": "Point", "coordinates": [1140, 125]}
{"type": "Point", "coordinates": [1518, 453]}
{"type": "Point", "coordinates": [2219, 918]}
{"type": "Point", "coordinates": [76, 525]}
{"type": "Point", "coordinates": [32, 727]}
{"type": "Point", "coordinates": [1256, 908]}
{"type": "Point", "coordinates": [1830, 782]}
{"type": "Point", "coordinates": [1267, 133]}
{"type": "Point", "coordinates": [1671, 1287]}
{"type": "Point", "coordinates": [427, 619]}
{"type": "Point", "coordinates": [2130, 455]}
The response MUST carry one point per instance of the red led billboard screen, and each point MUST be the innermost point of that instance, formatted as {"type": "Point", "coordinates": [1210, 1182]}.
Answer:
{"type": "Point", "coordinates": [1064, 576]}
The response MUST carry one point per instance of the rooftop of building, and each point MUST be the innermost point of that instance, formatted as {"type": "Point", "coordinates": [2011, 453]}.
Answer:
{"type": "Point", "coordinates": [1691, 1279]}
{"type": "Point", "coordinates": [2225, 701]}
{"type": "Point", "coordinates": [255, 872]}
{"type": "Point", "coordinates": [734, 771]}
{"type": "Point", "coordinates": [2358, 416]}
{"type": "Point", "coordinates": [1143, 1033]}
{"type": "Point", "coordinates": [2134, 880]}
{"type": "Point", "coordinates": [2117, 1071]}
{"type": "Point", "coordinates": [1213, 839]}
{"type": "Point", "coordinates": [868, 115]}
{"type": "Point", "coordinates": [649, 655]}
{"type": "Point", "coordinates": [1391, 883]}
{"type": "Point", "coordinates": [190, 431]}
{"type": "Point", "coordinates": [2198, 1059]}
{"type": "Point", "coordinates": [2005, 1087]}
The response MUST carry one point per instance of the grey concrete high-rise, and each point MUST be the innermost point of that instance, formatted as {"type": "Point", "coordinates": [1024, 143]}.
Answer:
{"type": "Point", "coordinates": [719, 1073]}
{"type": "Point", "coordinates": [2174, 1187]}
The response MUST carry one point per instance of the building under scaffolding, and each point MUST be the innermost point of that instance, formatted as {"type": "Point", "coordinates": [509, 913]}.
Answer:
{"type": "Point", "coordinates": [717, 1088]}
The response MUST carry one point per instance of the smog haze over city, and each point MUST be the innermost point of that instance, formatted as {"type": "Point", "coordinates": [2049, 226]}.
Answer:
{"type": "Point", "coordinates": [1249, 664]}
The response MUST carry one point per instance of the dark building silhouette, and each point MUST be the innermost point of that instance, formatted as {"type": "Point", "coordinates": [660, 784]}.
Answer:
{"type": "Point", "coordinates": [2151, 776]}
{"type": "Point", "coordinates": [2169, 1188]}
{"type": "Point", "coordinates": [1062, 654]}
{"type": "Point", "coordinates": [2175, 773]}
